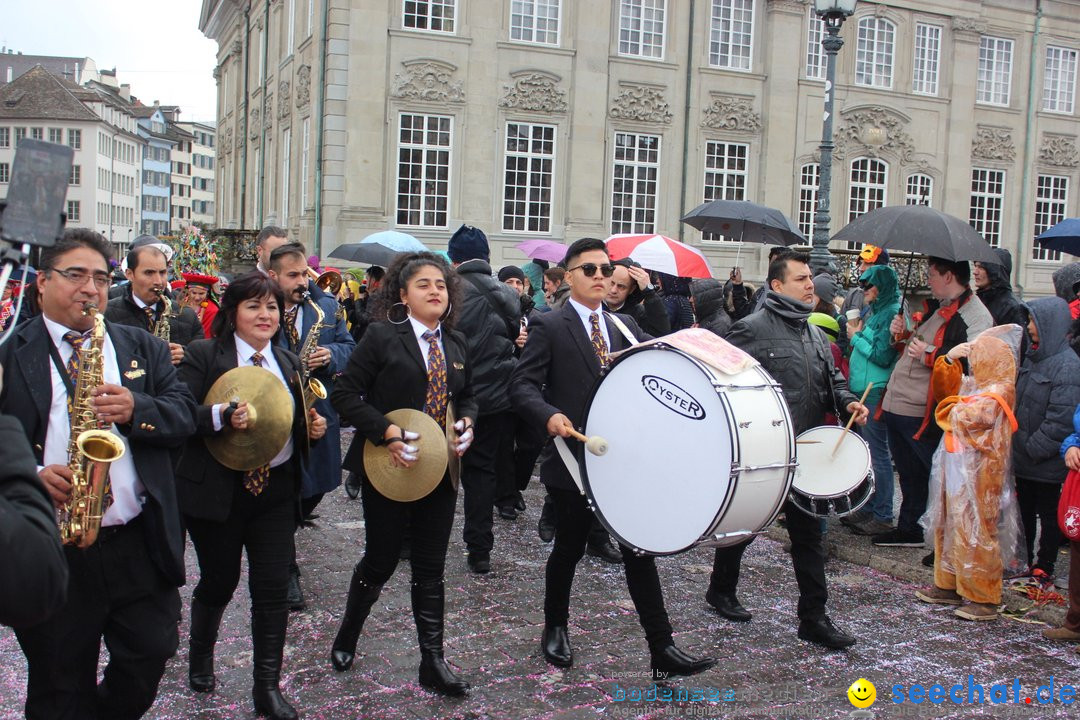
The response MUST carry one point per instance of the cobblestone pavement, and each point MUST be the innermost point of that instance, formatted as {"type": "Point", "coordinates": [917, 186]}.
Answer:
{"type": "Point", "coordinates": [494, 623]}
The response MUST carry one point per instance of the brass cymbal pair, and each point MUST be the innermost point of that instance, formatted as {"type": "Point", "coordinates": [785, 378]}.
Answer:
{"type": "Point", "coordinates": [436, 455]}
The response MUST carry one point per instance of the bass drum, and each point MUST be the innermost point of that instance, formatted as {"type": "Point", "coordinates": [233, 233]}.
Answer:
{"type": "Point", "coordinates": [696, 456]}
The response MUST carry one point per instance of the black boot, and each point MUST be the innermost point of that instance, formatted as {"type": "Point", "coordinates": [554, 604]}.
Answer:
{"type": "Point", "coordinates": [435, 674]}
{"type": "Point", "coordinates": [361, 597]}
{"type": "Point", "coordinates": [205, 621]}
{"type": "Point", "coordinates": [268, 638]}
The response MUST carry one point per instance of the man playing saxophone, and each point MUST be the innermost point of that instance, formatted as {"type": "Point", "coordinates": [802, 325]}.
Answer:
{"type": "Point", "coordinates": [312, 330]}
{"type": "Point", "coordinates": [145, 303]}
{"type": "Point", "coordinates": [124, 568]}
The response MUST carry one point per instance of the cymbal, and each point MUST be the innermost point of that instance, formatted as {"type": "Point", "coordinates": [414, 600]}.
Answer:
{"type": "Point", "coordinates": [452, 460]}
{"type": "Point", "coordinates": [412, 483]}
{"type": "Point", "coordinates": [270, 418]}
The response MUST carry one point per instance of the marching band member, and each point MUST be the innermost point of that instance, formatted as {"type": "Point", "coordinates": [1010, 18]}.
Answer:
{"type": "Point", "coordinates": [229, 511]}
{"type": "Point", "coordinates": [199, 296]}
{"type": "Point", "coordinates": [123, 587]}
{"type": "Point", "coordinates": [415, 360]}
{"type": "Point", "coordinates": [561, 361]}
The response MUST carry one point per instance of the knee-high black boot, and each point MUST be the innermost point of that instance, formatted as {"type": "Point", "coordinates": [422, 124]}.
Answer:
{"type": "Point", "coordinates": [205, 621]}
{"type": "Point", "coordinates": [362, 595]}
{"type": "Point", "coordinates": [268, 638]}
{"type": "Point", "coordinates": [427, 603]}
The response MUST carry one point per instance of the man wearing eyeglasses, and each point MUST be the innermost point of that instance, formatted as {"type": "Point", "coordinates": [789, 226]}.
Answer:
{"type": "Point", "coordinates": [123, 588]}
{"type": "Point", "coordinates": [566, 351]}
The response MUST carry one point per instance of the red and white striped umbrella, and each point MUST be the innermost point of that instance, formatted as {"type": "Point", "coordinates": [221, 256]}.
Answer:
{"type": "Point", "coordinates": [659, 253]}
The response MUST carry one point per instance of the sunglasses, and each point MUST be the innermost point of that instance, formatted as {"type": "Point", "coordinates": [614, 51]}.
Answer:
{"type": "Point", "coordinates": [589, 269]}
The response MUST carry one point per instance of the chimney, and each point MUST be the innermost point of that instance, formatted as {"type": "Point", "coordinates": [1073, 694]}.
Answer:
{"type": "Point", "coordinates": [125, 91]}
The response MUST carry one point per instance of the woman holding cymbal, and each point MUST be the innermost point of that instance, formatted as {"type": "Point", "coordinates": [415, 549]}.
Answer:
{"type": "Point", "coordinates": [409, 358]}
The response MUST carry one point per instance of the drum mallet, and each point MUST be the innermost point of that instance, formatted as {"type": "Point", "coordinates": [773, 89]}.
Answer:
{"type": "Point", "coordinates": [595, 444]}
{"type": "Point", "coordinates": [850, 421]}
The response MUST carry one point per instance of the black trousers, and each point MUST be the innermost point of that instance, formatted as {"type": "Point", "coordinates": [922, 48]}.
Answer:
{"type": "Point", "coordinates": [807, 556]}
{"type": "Point", "coordinates": [489, 455]}
{"type": "Point", "coordinates": [1040, 500]}
{"type": "Point", "coordinates": [573, 519]}
{"type": "Point", "coordinates": [115, 594]}
{"type": "Point", "coordinates": [913, 459]}
{"type": "Point", "coordinates": [262, 525]}
{"type": "Point", "coordinates": [528, 442]}
{"type": "Point", "coordinates": [427, 521]}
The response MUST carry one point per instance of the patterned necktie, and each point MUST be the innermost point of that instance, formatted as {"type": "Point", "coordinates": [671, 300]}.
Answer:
{"type": "Point", "coordinates": [75, 340]}
{"type": "Point", "coordinates": [599, 345]}
{"type": "Point", "coordinates": [149, 310]}
{"type": "Point", "coordinates": [437, 393]}
{"type": "Point", "coordinates": [290, 327]}
{"type": "Point", "coordinates": [255, 480]}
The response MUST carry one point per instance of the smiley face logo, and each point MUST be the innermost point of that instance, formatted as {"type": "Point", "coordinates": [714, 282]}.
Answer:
{"type": "Point", "coordinates": [862, 693]}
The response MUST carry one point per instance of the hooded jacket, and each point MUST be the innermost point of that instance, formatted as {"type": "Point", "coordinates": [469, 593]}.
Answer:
{"type": "Point", "coordinates": [710, 306]}
{"type": "Point", "coordinates": [873, 353]}
{"type": "Point", "coordinates": [535, 274]}
{"type": "Point", "coordinates": [1047, 394]}
{"type": "Point", "coordinates": [1064, 280]}
{"type": "Point", "coordinates": [998, 296]}
{"type": "Point", "coordinates": [490, 322]}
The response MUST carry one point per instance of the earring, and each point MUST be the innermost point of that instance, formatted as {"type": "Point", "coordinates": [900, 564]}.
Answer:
{"type": "Point", "coordinates": [408, 314]}
{"type": "Point", "coordinates": [449, 309]}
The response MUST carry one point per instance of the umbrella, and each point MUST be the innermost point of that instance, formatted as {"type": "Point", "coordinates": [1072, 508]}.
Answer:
{"type": "Point", "coordinates": [378, 248]}
{"type": "Point", "coordinates": [542, 250]}
{"type": "Point", "coordinates": [747, 221]}
{"type": "Point", "coordinates": [1063, 237]}
{"type": "Point", "coordinates": [659, 253]}
{"type": "Point", "coordinates": [920, 229]}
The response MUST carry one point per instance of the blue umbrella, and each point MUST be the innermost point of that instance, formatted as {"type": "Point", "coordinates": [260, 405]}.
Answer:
{"type": "Point", "coordinates": [1063, 237]}
{"type": "Point", "coordinates": [378, 248]}
{"type": "Point", "coordinates": [399, 241]}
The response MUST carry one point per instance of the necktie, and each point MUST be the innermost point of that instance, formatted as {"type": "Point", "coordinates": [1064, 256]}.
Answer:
{"type": "Point", "coordinates": [75, 340]}
{"type": "Point", "coordinates": [149, 310]}
{"type": "Point", "coordinates": [599, 345]}
{"type": "Point", "coordinates": [437, 393]}
{"type": "Point", "coordinates": [255, 480]}
{"type": "Point", "coordinates": [290, 327]}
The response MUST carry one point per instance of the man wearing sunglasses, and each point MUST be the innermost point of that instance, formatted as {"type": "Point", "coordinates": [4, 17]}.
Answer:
{"type": "Point", "coordinates": [123, 587]}
{"type": "Point", "coordinates": [549, 388]}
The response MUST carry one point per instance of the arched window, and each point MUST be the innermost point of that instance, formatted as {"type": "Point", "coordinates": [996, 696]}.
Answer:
{"type": "Point", "coordinates": [919, 190]}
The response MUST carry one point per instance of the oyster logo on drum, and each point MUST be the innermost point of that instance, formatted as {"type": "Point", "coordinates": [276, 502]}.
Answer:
{"type": "Point", "coordinates": [673, 397]}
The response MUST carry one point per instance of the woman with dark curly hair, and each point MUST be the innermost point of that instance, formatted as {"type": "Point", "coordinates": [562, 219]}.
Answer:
{"type": "Point", "coordinates": [409, 357]}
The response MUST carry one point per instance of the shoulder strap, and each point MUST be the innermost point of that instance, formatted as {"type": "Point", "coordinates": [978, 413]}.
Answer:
{"type": "Point", "coordinates": [622, 328]}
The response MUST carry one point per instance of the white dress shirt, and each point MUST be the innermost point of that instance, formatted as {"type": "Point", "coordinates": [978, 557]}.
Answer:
{"type": "Point", "coordinates": [128, 492]}
{"type": "Point", "coordinates": [584, 313]}
{"type": "Point", "coordinates": [269, 362]}
{"type": "Point", "coordinates": [419, 329]}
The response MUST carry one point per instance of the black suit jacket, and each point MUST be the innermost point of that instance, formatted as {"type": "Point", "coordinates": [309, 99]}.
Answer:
{"type": "Point", "coordinates": [387, 372]}
{"type": "Point", "coordinates": [556, 374]}
{"type": "Point", "coordinates": [184, 325]}
{"type": "Point", "coordinates": [163, 419]}
{"type": "Point", "coordinates": [204, 485]}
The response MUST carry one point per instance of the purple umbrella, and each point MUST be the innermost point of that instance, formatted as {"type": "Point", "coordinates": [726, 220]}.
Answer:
{"type": "Point", "coordinates": [542, 250]}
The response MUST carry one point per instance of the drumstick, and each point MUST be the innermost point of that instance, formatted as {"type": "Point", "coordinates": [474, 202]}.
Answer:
{"type": "Point", "coordinates": [595, 444]}
{"type": "Point", "coordinates": [850, 420]}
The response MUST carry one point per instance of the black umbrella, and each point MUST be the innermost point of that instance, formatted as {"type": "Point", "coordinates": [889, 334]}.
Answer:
{"type": "Point", "coordinates": [370, 253]}
{"type": "Point", "coordinates": [920, 229]}
{"type": "Point", "coordinates": [746, 221]}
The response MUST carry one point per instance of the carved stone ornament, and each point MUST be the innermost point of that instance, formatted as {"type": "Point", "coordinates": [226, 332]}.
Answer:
{"type": "Point", "coordinates": [873, 132]}
{"type": "Point", "coordinates": [733, 114]}
{"type": "Point", "coordinates": [236, 48]}
{"type": "Point", "coordinates": [303, 85]}
{"type": "Point", "coordinates": [1060, 151]}
{"type": "Point", "coordinates": [217, 73]}
{"type": "Point", "coordinates": [992, 143]}
{"type": "Point", "coordinates": [268, 111]}
{"type": "Point", "coordinates": [794, 6]}
{"type": "Point", "coordinates": [968, 25]}
{"type": "Point", "coordinates": [226, 144]}
{"type": "Point", "coordinates": [641, 103]}
{"type": "Point", "coordinates": [253, 124]}
{"type": "Point", "coordinates": [283, 100]}
{"type": "Point", "coordinates": [534, 91]}
{"type": "Point", "coordinates": [428, 80]}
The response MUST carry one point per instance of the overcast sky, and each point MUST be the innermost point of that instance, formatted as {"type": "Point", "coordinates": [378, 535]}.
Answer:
{"type": "Point", "coordinates": [155, 45]}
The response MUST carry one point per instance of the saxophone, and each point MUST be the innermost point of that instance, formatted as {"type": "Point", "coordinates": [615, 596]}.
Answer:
{"type": "Point", "coordinates": [91, 449]}
{"type": "Point", "coordinates": [161, 327]}
{"type": "Point", "coordinates": [313, 389]}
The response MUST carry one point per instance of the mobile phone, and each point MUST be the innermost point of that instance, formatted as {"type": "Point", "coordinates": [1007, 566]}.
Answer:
{"type": "Point", "coordinates": [34, 212]}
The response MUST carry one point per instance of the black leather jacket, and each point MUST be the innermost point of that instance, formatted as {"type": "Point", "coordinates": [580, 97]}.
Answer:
{"type": "Point", "coordinates": [798, 357]}
{"type": "Point", "coordinates": [490, 322]}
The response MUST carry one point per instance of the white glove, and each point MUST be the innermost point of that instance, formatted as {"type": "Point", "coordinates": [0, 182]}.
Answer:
{"type": "Point", "coordinates": [409, 452]}
{"type": "Point", "coordinates": [465, 437]}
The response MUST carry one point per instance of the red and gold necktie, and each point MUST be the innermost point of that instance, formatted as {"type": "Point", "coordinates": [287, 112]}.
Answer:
{"type": "Point", "coordinates": [437, 393]}
{"type": "Point", "coordinates": [255, 480]}
{"type": "Point", "coordinates": [290, 328]}
{"type": "Point", "coordinates": [599, 345]}
{"type": "Point", "coordinates": [75, 340]}
{"type": "Point", "coordinates": [149, 310]}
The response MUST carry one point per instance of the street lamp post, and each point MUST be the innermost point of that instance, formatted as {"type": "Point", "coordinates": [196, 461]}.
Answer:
{"type": "Point", "coordinates": [832, 13]}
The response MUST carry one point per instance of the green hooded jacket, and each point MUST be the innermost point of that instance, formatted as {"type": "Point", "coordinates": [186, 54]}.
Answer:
{"type": "Point", "coordinates": [872, 353]}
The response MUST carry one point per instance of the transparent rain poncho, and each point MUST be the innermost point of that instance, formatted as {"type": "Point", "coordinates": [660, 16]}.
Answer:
{"type": "Point", "coordinates": [972, 513]}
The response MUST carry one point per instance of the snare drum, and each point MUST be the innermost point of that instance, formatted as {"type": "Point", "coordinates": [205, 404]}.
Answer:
{"type": "Point", "coordinates": [827, 484]}
{"type": "Point", "coordinates": [696, 456]}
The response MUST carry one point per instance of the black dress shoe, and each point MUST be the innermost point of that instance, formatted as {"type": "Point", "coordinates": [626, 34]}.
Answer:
{"type": "Point", "coordinates": [479, 562]}
{"type": "Point", "coordinates": [556, 645]}
{"type": "Point", "coordinates": [519, 505]}
{"type": "Point", "coordinates": [606, 552]}
{"type": "Point", "coordinates": [296, 594]}
{"type": "Point", "coordinates": [728, 606]}
{"type": "Point", "coordinates": [928, 559]}
{"type": "Point", "coordinates": [823, 632]}
{"type": "Point", "coordinates": [352, 485]}
{"type": "Point", "coordinates": [507, 512]}
{"type": "Point", "coordinates": [672, 661]}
